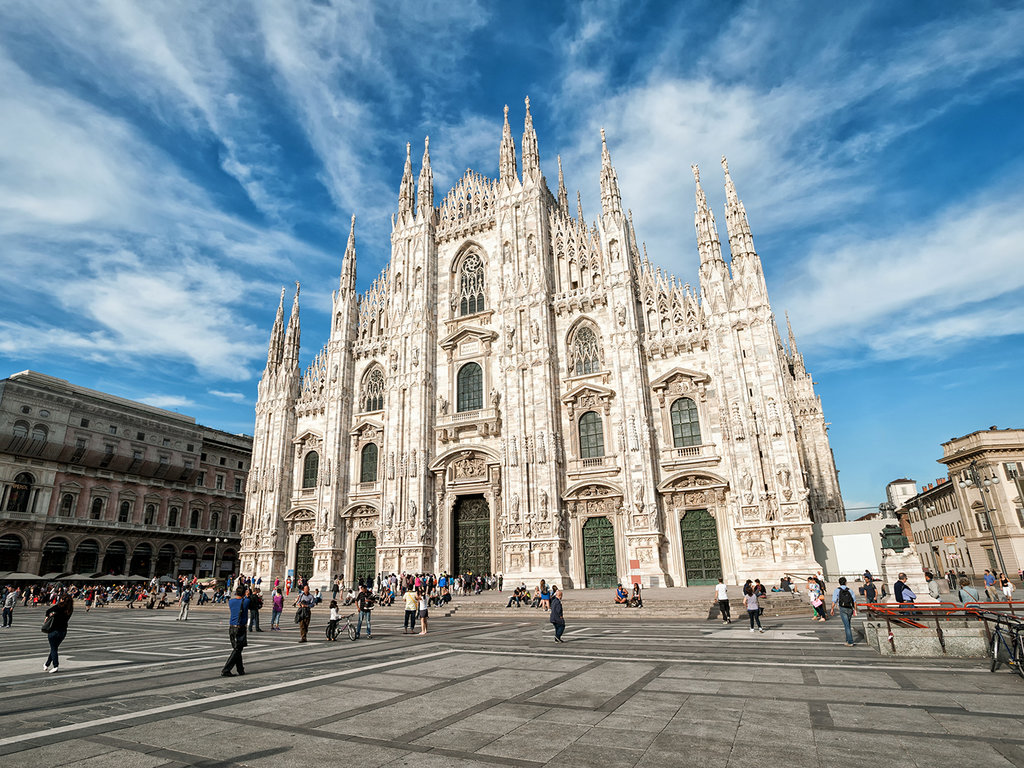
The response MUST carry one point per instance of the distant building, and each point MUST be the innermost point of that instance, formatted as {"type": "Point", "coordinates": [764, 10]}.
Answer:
{"type": "Point", "coordinates": [936, 527]}
{"type": "Point", "coordinates": [93, 483]}
{"type": "Point", "coordinates": [998, 455]}
{"type": "Point", "coordinates": [898, 491]}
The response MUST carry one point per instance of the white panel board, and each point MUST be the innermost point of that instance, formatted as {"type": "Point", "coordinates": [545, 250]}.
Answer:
{"type": "Point", "coordinates": [855, 552]}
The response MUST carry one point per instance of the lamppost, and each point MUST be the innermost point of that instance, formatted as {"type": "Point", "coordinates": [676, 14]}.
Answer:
{"type": "Point", "coordinates": [974, 479]}
{"type": "Point", "coordinates": [216, 547]}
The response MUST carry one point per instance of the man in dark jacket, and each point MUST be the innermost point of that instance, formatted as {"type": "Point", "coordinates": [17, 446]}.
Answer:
{"type": "Point", "coordinates": [556, 616]}
{"type": "Point", "coordinates": [238, 606]}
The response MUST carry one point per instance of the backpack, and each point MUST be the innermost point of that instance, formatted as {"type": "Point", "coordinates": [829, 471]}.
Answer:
{"type": "Point", "coordinates": [846, 598]}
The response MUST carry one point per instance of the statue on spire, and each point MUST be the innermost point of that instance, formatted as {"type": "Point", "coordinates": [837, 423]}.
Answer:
{"type": "Point", "coordinates": [563, 196]}
{"type": "Point", "coordinates": [406, 191]}
{"type": "Point", "coordinates": [531, 153]}
{"type": "Point", "coordinates": [507, 155]}
{"type": "Point", "coordinates": [425, 200]}
{"type": "Point", "coordinates": [611, 201]}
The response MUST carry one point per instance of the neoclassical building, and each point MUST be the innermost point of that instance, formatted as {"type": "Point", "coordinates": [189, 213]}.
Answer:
{"type": "Point", "coordinates": [521, 391]}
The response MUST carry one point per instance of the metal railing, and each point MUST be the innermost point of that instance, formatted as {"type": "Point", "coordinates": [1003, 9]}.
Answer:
{"type": "Point", "coordinates": [924, 615]}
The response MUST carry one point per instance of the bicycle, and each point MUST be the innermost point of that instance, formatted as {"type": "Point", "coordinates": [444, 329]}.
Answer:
{"type": "Point", "coordinates": [1010, 640]}
{"type": "Point", "coordinates": [342, 625]}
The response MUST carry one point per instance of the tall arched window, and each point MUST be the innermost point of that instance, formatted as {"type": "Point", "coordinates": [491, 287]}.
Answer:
{"type": "Point", "coordinates": [584, 351]}
{"type": "Point", "coordinates": [471, 285]}
{"type": "Point", "coordinates": [150, 516]}
{"type": "Point", "coordinates": [591, 436]}
{"type": "Point", "coordinates": [39, 432]}
{"type": "Point", "coordinates": [310, 468]}
{"type": "Point", "coordinates": [233, 523]}
{"type": "Point", "coordinates": [21, 429]}
{"type": "Point", "coordinates": [470, 388]}
{"type": "Point", "coordinates": [373, 390]}
{"type": "Point", "coordinates": [368, 464]}
{"type": "Point", "coordinates": [21, 491]}
{"type": "Point", "coordinates": [685, 423]}
{"type": "Point", "coordinates": [172, 517]}
{"type": "Point", "coordinates": [215, 521]}
{"type": "Point", "coordinates": [67, 505]}
{"type": "Point", "coordinates": [96, 513]}
{"type": "Point", "coordinates": [125, 512]}
{"type": "Point", "coordinates": [194, 520]}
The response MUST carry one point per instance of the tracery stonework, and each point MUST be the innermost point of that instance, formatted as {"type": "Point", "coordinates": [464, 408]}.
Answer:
{"type": "Point", "coordinates": [516, 352]}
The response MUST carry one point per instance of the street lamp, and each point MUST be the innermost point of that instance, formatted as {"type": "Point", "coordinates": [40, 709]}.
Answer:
{"type": "Point", "coordinates": [974, 479]}
{"type": "Point", "coordinates": [216, 546]}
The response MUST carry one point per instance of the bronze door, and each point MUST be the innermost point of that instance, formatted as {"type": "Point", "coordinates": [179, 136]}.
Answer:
{"type": "Point", "coordinates": [472, 546]}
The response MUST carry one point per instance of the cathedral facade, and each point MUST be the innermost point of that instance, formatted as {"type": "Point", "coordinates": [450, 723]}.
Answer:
{"type": "Point", "coordinates": [522, 392]}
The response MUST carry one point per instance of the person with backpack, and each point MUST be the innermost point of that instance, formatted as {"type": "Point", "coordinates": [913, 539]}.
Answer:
{"type": "Point", "coordinates": [185, 597]}
{"type": "Point", "coordinates": [255, 604]}
{"type": "Point", "coordinates": [843, 598]}
{"type": "Point", "coordinates": [968, 595]}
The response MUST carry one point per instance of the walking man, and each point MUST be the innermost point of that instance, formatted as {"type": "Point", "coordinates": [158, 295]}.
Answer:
{"type": "Point", "coordinates": [556, 617]}
{"type": "Point", "coordinates": [305, 601]}
{"type": "Point", "coordinates": [238, 609]}
{"type": "Point", "coordinates": [990, 585]}
{"type": "Point", "coordinates": [901, 591]}
{"type": "Point", "coordinates": [10, 598]}
{"type": "Point", "coordinates": [843, 598]}
{"type": "Point", "coordinates": [722, 593]}
{"type": "Point", "coordinates": [365, 604]}
{"type": "Point", "coordinates": [255, 603]}
{"type": "Point", "coordinates": [184, 598]}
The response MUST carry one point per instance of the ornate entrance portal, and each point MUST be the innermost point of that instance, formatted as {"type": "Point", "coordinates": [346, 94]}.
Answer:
{"type": "Point", "coordinates": [599, 569]}
{"type": "Point", "coordinates": [365, 559]}
{"type": "Point", "coordinates": [700, 548]}
{"type": "Point", "coordinates": [472, 544]}
{"type": "Point", "coordinates": [304, 557]}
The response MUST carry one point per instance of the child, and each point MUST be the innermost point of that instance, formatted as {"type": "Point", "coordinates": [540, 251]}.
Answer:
{"type": "Point", "coordinates": [333, 621]}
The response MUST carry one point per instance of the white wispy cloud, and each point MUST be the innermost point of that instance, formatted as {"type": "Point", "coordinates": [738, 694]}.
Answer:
{"type": "Point", "coordinates": [238, 397]}
{"type": "Point", "coordinates": [167, 401]}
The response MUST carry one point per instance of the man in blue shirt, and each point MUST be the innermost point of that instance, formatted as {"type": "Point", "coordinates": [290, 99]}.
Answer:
{"type": "Point", "coordinates": [842, 598]}
{"type": "Point", "coordinates": [990, 584]}
{"type": "Point", "coordinates": [238, 606]}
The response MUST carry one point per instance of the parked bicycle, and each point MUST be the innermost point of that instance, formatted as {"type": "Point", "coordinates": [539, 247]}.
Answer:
{"type": "Point", "coordinates": [1008, 645]}
{"type": "Point", "coordinates": [336, 628]}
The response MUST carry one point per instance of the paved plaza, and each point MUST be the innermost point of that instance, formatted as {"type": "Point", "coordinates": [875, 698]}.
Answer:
{"type": "Point", "coordinates": [138, 688]}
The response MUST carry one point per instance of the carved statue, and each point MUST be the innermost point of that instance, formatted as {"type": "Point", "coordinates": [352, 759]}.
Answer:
{"type": "Point", "coordinates": [442, 405]}
{"type": "Point", "coordinates": [389, 518]}
{"type": "Point", "coordinates": [747, 484]}
{"type": "Point", "coordinates": [620, 314]}
{"type": "Point", "coordinates": [535, 331]}
{"type": "Point", "coordinates": [638, 494]}
{"type": "Point", "coordinates": [412, 513]}
{"type": "Point", "coordinates": [785, 482]}
{"type": "Point", "coordinates": [515, 507]}
{"type": "Point", "coordinates": [495, 397]}
{"type": "Point", "coordinates": [510, 336]}
{"type": "Point", "coordinates": [543, 504]}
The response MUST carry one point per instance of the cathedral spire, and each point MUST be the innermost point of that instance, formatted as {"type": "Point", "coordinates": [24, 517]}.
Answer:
{"type": "Point", "coordinates": [579, 208]}
{"type": "Point", "coordinates": [794, 354]}
{"type": "Point", "coordinates": [713, 273]}
{"type": "Point", "coordinates": [406, 191]}
{"type": "Point", "coordinates": [507, 155]}
{"type": "Point", "coordinates": [531, 153]}
{"type": "Point", "coordinates": [746, 264]}
{"type": "Point", "coordinates": [348, 263]}
{"type": "Point", "coordinates": [276, 346]}
{"type": "Point", "coordinates": [425, 200]}
{"type": "Point", "coordinates": [611, 201]}
{"type": "Point", "coordinates": [563, 196]}
{"type": "Point", "coordinates": [290, 358]}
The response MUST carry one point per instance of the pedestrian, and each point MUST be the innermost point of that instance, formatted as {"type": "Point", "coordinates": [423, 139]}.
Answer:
{"type": "Point", "coordinates": [990, 585]}
{"type": "Point", "coordinates": [817, 601]}
{"type": "Point", "coordinates": [968, 595]}
{"type": "Point", "coordinates": [305, 601]}
{"type": "Point", "coordinates": [1007, 587]}
{"type": "Point", "coordinates": [333, 620]}
{"type": "Point", "coordinates": [421, 599]}
{"type": "Point", "coordinates": [722, 594]}
{"type": "Point", "coordinates": [255, 604]}
{"type": "Point", "coordinates": [184, 598]}
{"type": "Point", "coordinates": [10, 598]}
{"type": "Point", "coordinates": [56, 625]}
{"type": "Point", "coordinates": [238, 620]}
{"type": "Point", "coordinates": [335, 589]}
{"type": "Point", "coordinates": [759, 592]}
{"type": "Point", "coordinates": [870, 591]}
{"type": "Point", "coordinates": [902, 592]}
{"type": "Point", "coordinates": [365, 605]}
{"type": "Point", "coordinates": [753, 609]}
{"type": "Point", "coordinates": [411, 606]}
{"type": "Point", "coordinates": [933, 585]}
{"type": "Point", "coordinates": [557, 618]}
{"type": "Point", "coordinates": [277, 608]}
{"type": "Point", "coordinates": [843, 598]}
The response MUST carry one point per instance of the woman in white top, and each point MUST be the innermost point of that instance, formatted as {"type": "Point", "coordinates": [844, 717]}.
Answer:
{"type": "Point", "coordinates": [423, 611]}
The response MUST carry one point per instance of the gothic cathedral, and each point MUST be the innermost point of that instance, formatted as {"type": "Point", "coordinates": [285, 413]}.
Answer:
{"type": "Point", "coordinates": [521, 392]}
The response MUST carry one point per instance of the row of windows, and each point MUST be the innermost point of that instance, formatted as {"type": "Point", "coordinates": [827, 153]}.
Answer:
{"type": "Point", "coordinates": [685, 432]}
{"type": "Point", "coordinates": [22, 429]}
{"type": "Point", "coordinates": [124, 514]}
{"type": "Point", "coordinates": [937, 533]}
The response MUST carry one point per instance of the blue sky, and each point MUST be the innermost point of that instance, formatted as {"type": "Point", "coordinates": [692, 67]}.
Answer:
{"type": "Point", "coordinates": [166, 167]}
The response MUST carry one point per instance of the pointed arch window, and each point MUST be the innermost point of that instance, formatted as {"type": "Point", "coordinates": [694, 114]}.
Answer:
{"type": "Point", "coordinates": [373, 390]}
{"type": "Point", "coordinates": [470, 388]}
{"type": "Point", "coordinates": [584, 351]}
{"type": "Point", "coordinates": [685, 423]}
{"type": "Point", "coordinates": [368, 464]}
{"type": "Point", "coordinates": [591, 436]}
{"type": "Point", "coordinates": [310, 469]}
{"type": "Point", "coordinates": [471, 285]}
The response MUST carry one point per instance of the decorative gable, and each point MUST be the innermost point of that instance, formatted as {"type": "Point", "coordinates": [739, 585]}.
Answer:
{"type": "Point", "coordinates": [584, 397]}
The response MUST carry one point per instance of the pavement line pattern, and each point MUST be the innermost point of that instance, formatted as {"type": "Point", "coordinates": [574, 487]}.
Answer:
{"type": "Point", "coordinates": [210, 699]}
{"type": "Point", "coordinates": [704, 662]}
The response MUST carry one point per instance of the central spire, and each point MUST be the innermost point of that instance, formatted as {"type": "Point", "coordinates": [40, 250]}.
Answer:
{"type": "Point", "coordinates": [276, 346]}
{"type": "Point", "coordinates": [563, 196]}
{"type": "Point", "coordinates": [531, 153]}
{"type": "Point", "coordinates": [611, 201]}
{"type": "Point", "coordinates": [290, 358]}
{"type": "Point", "coordinates": [406, 191]}
{"type": "Point", "coordinates": [425, 200]}
{"type": "Point", "coordinates": [348, 262]}
{"type": "Point", "coordinates": [507, 155]}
